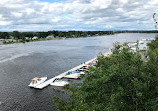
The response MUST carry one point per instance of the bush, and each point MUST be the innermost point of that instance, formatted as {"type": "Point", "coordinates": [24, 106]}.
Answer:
{"type": "Point", "coordinates": [121, 82]}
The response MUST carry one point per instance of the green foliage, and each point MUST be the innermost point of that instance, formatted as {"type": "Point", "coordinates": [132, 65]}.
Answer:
{"type": "Point", "coordinates": [16, 34]}
{"type": "Point", "coordinates": [4, 35]}
{"type": "Point", "coordinates": [60, 34]}
{"type": "Point", "coordinates": [153, 44]}
{"type": "Point", "coordinates": [154, 18]}
{"type": "Point", "coordinates": [121, 82]}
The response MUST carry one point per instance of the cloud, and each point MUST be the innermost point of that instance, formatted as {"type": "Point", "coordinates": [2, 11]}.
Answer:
{"type": "Point", "coordinates": [5, 23]}
{"type": "Point", "coordinates": [37, 15]}
{"type": "Point", "coordinates": [16, 14]}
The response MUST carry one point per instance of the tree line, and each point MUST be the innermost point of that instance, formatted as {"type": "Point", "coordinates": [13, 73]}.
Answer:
{"type": "Point", "coordinates": [67, 34]}
{"type": "Point", "coordinates": [21, 35]}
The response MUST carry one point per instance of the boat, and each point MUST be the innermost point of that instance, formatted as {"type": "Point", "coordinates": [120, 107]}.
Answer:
{"type": "Point", "coordinates": [59, 82]}
{"type": "Point", "coordinates": [144, 40]}
{"type": "Point", "coordinates": [37, 81]}
{"type": "Point", "coordinates": [132, 44]}
{"type": "Point", "coordinates": [85, 68]}
{"type": "Point", "coordinates": [133, 49]}
{"type": "Point", "coordinates": [141, 42]}
{"type": "Point", "coordinates": [74, 75]}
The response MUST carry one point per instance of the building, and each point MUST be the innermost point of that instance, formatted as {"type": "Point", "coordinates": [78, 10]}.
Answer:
{"type": "Point", "coordinates": [50, 37]}
{"type": "Point", "coordinates": [35, 38]}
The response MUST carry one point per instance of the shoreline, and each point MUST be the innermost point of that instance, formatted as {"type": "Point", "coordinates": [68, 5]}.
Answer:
{"type": "Point", "coordinates": [17, 42]}
{"type": "Point", "coordinates": [43, 39]}
{"type": "Point", "coordinates": [13, 41]}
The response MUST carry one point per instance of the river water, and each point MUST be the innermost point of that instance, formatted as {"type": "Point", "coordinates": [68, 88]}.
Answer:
{"type": "Point", "coordinates": [19, 63]}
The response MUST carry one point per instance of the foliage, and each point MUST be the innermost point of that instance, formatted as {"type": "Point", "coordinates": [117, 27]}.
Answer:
{"type": "Point", "coordinates": [4, 35]}
{"type": "Point", "coordinates": [60, 34]}
{"type": "Point", "coordinates": [21, 35]}
{"type": "Point", "coordinates": [153, 44]}
{"type": "Point", "coordinates": [16, 34]}
{"type": "Point", "coordinates": [154, 18]}
{"type": "Point", "coordinates": [121, 82]}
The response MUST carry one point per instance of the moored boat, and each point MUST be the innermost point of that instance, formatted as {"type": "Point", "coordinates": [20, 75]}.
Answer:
{"type": "Point", "coordinates": [37, 81]}
{"type": "Point", "coordinates": [59, 82]}
{"type": "Point", "coordinates": [74, 75]}
{"type": "Point", "coordinates": [141, 42]}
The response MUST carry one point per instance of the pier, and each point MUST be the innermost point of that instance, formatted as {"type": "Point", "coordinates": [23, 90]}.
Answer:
{"type": "Point", "coordinates": [48, 82]}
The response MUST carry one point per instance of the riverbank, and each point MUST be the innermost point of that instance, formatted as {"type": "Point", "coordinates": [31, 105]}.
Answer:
{"type": "Point", "coordinates": [13, 41]}
{"type": "Point", "coordinates": [50, 37]}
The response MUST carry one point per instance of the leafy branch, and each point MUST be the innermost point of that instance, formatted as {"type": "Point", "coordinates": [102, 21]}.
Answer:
{"type": "Point", "coordinates": [154, 18]}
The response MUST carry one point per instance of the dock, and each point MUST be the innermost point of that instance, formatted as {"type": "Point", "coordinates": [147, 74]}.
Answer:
{"type": "Point", "coordinates": [48, 82]}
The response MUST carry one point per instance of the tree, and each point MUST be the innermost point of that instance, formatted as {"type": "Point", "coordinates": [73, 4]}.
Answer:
{"type": "Point", "coordinates": [153, 44]}
{"type": "Point", "coordinates": [27, 34]}
{"type": "Point", "coordinates": [155, 20]}
{"type": "Point", "coordinates": [4, 35]}
{"type": "Point", "coordinates": [16, 34]}
{"type": "Point", "coordinates": [121, 82]}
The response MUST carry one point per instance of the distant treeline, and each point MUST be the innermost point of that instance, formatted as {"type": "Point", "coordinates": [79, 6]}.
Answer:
{"type": "Point", "coordinates": [67, 34]}
{"type": "Point", "coordinates": [55, 34]}
{"type": "Point", "coordinates": [137, 31]}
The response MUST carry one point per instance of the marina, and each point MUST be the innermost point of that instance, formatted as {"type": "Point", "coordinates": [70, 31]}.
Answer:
{"type": "Point", "coordinates": [71, 76]}
{"type": "Point", "coordinates": [77, 71]}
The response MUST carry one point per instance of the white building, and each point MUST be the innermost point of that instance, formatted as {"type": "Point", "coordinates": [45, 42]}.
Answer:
{"type": "Point", "coordinates": [26, 38]}
{"type": "Point", "coordinates": [50, 37]}
{"type": "Point", "coordinates": [35, 38]}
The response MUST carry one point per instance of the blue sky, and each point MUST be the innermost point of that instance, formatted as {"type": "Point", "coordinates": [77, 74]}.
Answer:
{"type": "Point", "coordinates": [44, 15]}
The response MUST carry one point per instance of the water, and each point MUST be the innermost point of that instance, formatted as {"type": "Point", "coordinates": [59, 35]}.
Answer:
{"type": "Point", "coordinates": [19, 63]}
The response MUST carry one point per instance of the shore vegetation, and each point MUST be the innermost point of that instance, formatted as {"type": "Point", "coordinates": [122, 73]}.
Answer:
{"type": "Point", "coordinates": [22, 37]}
{"type": "Point", "coordinates": [121, 82]}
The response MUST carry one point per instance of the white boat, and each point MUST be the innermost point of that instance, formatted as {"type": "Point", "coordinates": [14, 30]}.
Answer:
{"type": "Point", "coordinates": [132, 44]}
{"type": "Point", "coordinates": [37, 81]}
{"type": "Point", "coordinates": [74, 75]}
{"type": "Point", "coordinates": [144, 40]}
{"type": "Point", "coordinates": [141, 42]}
{"type": "Point", "coordinates": [133, 49]}
{"type": "Point", "coordinates": [59, 82]}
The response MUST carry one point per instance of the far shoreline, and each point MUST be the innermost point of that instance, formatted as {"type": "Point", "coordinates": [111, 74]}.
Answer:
{"type": "Point", "coordinates": [30, 41]}
{"type": "Point", "coordinates": [14, 41]}
{"type": "Point", "coordinates": [44, 39]}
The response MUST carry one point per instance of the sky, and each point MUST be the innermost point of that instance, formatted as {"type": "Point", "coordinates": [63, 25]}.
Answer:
{"type": "Point", "coordinates": [83, 15]}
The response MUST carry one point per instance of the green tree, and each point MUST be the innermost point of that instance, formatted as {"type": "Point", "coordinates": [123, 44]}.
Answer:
{"type": "Point", "coordinates": [121, 82]}
{"type": "Point", "coordinates": [153, 44]}
{"type": "Point", "coordinates": [16, 34]}
{"type": "Point", "coordinates": [4, 35]}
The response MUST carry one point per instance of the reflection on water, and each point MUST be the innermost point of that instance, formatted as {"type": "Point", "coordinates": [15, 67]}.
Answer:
{"type": "Point", "coordinates": [19, 63]}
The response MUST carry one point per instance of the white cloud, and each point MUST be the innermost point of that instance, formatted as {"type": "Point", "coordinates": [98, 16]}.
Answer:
{"type": "Point", "coordinates": [5, 23]}
{"type": "Point", "coordinates": [56, 19]}
{"type": "Point", "coordinates": [0, 16]}
{"type": "Point", "coordinates": [29, 11]}
{"type": "Point", "coordinates": [34, 15]}
{"type": "Point", "coordinates": [120, 10]}
{"type": "Point", "coordinates": [123, 1]}
{"type": "Point", "coordinates": [153, 2]}
{"type": "Point", "coordinates": [17, 14]}
{"type": "Point", "coordinates": [101, 3]}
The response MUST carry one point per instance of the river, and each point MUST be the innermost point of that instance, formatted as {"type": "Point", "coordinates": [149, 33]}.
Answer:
{"type": "Point", "coordinates": [19, 63]}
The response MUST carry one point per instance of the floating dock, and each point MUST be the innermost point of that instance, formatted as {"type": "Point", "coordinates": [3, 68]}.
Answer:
{"type": "Point", "coordinates": [48, 82]}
